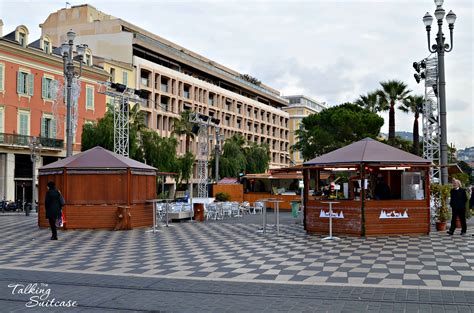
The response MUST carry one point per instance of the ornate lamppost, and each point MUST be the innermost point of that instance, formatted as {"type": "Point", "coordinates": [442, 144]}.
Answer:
{"type": "Point", "coordinates": [69, 75]}
{"type": "Point", "coordinates": [440, 48]}
{"type": "Point", "coordinates": [35, 150]}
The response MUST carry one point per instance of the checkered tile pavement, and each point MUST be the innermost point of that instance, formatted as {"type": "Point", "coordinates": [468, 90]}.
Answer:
{"type": "Point", "coordinates": [235, 251]}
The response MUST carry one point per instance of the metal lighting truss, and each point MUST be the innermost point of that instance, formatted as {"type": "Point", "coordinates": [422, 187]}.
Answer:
{"type": "Point", "coordinates": [121, 99]}
{"type": "Point", "coordinates": [204, 123]}
{"type": "Point", "coordinates": [431, 126]}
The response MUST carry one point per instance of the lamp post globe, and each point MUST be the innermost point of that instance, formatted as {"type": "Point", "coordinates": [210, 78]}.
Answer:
{"type": "Point", "coordinates": [69, 74]}
{"type": "Point", "coordinates": [440, 48]}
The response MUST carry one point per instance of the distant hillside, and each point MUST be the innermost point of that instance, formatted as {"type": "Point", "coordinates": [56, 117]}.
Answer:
{"type": "Point", "coordinates": [402, 134]}
{"type": "Point", "coordinates": [466, 155]}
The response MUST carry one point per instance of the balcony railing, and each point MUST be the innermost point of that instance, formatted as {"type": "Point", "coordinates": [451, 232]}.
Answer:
{"type": "Point", "coordinates": [23, 140]}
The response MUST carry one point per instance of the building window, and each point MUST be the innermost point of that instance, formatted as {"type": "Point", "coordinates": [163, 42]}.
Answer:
{"type": "Point", "coordinates": [186, 92]}
{"type": "Point", "coordinates": [112, 75]}
{"type": "Point", "coordinates": [125, 78]}
{"type": "Point", "coordinates": [144, 78]}
{"type": "Point", "coordinates": [22, 39]}
{"type": "Point", "coordinates": [164, 84]}
{"type": "Point", "coordinates": [24, 123]}
{"type": "Point", "coordinates": [90, 97]}
{"type": "Point", "coordinates": [211, 99]}
{"type": "Point", "coordinates": [165, 103]}
{"type": "Point", "coordinates": [46, 46]}
{"type": "Point", "coordinates": [25, 83]}
{"type": "Point", "coordinates": [48, 127]}
{"type": "Point", "coordinates": [88, 59]}
{"type": "Point", "coordinates": [46, 88]}
{"type": "Point", "coordinates": [2, 75]}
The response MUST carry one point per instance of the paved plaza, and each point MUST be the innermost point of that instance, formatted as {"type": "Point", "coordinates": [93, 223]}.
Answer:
{"type": "Point", "coordinates": [231, 265]}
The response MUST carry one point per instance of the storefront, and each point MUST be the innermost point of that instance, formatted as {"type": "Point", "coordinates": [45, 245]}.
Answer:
{"type": "Point", "coordinates": [283, 186]}
{"type": "Point", "coordinates": [379, 190]}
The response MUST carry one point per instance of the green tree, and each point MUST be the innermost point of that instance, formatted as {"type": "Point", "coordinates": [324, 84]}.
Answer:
{"type": "Point", "coordinates": [414, 104]}
{"type": "Point", "coordinates": [232, 161]}
{"type": "Point", "coordinates": [392, 92]}
{"type": "Point", "coordinates": [184, 127]}
{"type": "Point", "coordinates": [100, 133]}
{"type": "Point", "coordinates": [466, 169]}
{"type": "Point", "coordinates": [371, 102]}
{"type": "Point", "coordinates": [257, 158]}
{"type": "Point", "coordinates": [160, 152]}
{"type": "Point", "coordinates": [400, 143]}
{"type": "Point", "coordinates": [184, 168]}
{"type": "Point", "coordinates": [334, 128]}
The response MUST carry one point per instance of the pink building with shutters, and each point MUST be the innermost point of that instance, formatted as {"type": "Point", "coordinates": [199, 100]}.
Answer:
{"type": "Point", "coordinates": [27, 70]}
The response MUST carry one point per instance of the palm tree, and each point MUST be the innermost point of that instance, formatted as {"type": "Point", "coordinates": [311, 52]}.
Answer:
{"type": "Point", "coordinates": [371, 102]}
{"type": "Point", "coordinates": [391, 92]}
{"type": "Point", "coordinates": [136, 119]}
{"type": "Point", "coordinates": [414, 104]}
{"type": "Point", "coordinates": [183, 126]}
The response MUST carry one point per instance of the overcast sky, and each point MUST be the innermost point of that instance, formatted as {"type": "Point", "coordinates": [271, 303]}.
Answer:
{"type": "Point", "coordinates": [330, 50]}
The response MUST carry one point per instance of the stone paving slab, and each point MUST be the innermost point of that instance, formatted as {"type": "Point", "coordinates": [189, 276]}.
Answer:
{"type": "Point", "coordinates": [102, 292]}
{"type": "Point", "coordinates": [233, 251]}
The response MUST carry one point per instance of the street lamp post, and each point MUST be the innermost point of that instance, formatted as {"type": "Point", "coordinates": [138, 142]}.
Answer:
{"type": "Point", "coordinates": [217, 153]}
{"type": "Point", "coordinates": [35, 150]}
{"type": "Point", "coordinates": [67, 52]}
{"type": "Point", "coordinates": [440, 48]}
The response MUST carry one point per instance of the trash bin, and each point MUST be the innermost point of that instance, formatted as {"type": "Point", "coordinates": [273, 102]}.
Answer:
{"type": "Point", "coordinates": [198, 212]}
{"type": "Point", "coordinates": [295, 206]}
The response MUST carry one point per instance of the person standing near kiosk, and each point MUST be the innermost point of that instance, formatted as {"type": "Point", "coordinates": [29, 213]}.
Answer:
{"type": "Point", "coordinates": [53, 203]}
{"type": "Point", "coordinates": [458, 207]}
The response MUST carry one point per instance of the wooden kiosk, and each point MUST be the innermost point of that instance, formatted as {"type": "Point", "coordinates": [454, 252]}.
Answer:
{"type": "Point", "coordinates": [359, 169]}
{"type": "Point", "coordinates": [96, 184]}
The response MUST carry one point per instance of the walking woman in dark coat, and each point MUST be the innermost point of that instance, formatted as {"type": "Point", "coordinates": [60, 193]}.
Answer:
{"type": "Point", "coordinates": [53, 204]}
{"type": "Point", "coordinates": [458, 206]}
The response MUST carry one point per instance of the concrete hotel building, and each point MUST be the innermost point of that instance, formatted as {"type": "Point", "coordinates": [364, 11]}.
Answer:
{"type": "Point", "coordinates": [300, 107]}
{"type": "Point", "coordinates": [177, 79]}
{"type": "Point", "coordinates": [26, 107]}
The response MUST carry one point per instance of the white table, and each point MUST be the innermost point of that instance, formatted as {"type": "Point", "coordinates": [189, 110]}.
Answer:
{"type": "Point", "coordinates": [167, 204]}
{"type": "Point", "coordinates": [276, 207]}
{"type": "Point", "coordinates": [153, 202]}
{"type": "Point", "coordinates": [330, 237]}
{"type": "Point", "coordinates": [264, 216]}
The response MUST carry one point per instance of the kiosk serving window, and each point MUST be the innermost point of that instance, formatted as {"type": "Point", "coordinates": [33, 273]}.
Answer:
{"type": "Point", "coordinates": [412, 186]}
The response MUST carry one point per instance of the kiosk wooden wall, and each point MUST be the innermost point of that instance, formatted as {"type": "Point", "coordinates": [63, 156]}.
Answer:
{"type": "Point", "coordinates": [92, 199]}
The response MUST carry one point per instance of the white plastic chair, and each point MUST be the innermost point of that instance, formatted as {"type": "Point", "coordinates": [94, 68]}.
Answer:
{"type": "Point", "coordinates": [235, 209]}
{"type": "Point", "coordinates": [258, 206]}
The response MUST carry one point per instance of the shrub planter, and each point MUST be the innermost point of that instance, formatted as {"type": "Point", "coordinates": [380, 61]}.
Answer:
{"type": "Point", "coordinates": [440, 226]}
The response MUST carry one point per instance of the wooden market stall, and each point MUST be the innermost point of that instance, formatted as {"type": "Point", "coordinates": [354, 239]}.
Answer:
{"type": "Point", "coordinates": [276, 185]}
{"type": "Point", "coordinates": [96, 185]}
{"type": "Point", "coordinates": [381, 190]}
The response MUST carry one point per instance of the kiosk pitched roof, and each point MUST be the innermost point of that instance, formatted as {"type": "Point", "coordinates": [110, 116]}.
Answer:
{"type": "Point", "coordinates": [95, 158]}
{"type": "Point", "coordinates": [367, 150]}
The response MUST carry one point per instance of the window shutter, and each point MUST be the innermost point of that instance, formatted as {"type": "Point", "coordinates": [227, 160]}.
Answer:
{"type": "Point", "coordinates": [31, 81]}
{"type": "Point", "coordinates": [44, 92]}
{"type": "Point", "coordinates": [54, 83]}
{"type": "Point", "coordinates": [23, 124]}
{"type": "Point", "coordinates": [90, 99]}
{"type": "Point", "coordinates": [53, 129]}
{"type": "Point", "coordinates": [125, 78]}
{"type": "Point", "coordinates": [1, 77]}
{"type": "Point", "coordinates": [1, 121]}
{"type": "Point", "coordinates": [19, 83]}
{"type": "Point", "coordinates": [43, 127]}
